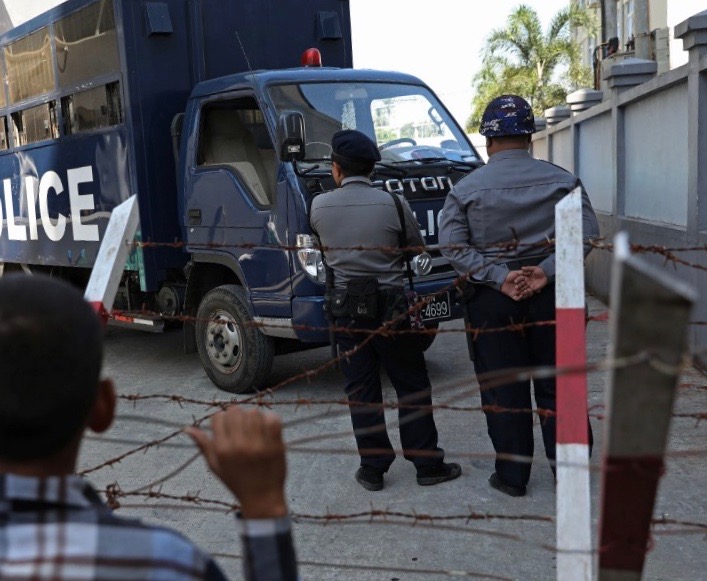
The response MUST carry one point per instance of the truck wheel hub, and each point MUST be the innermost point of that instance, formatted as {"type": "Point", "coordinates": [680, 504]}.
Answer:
{"type": "Point", "coordinates": [223, 342]}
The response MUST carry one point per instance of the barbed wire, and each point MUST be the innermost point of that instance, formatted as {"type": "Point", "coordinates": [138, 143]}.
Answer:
{"type": "Point", "coordinates": [512, 244]}
{"type": "Point", "coordinates": [387, 405]}
{"type": "Point", "coordinates": [153, 495]}
{"type": "Point", "coordinates": [489, 381]}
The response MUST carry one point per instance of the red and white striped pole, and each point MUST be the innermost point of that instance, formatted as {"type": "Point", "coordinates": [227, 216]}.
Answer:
{"type": "Point", "coordinates": [574, 538]}
{"type": "Point", "coordinates": [649, 321]}
{"type": "Point", "coordinates": [112, 256]}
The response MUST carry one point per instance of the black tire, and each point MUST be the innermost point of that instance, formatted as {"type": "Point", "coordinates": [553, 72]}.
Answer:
{"type": "Point", "coordinates": [236, 355]}
{"type": "Point", "coordinates": [426, 341]}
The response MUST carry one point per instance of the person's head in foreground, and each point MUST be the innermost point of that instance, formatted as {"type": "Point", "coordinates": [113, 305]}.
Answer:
{"type": "Point", "coordinates": [51, 391]}
{"type": "Point", "coordinates": [51, 350]}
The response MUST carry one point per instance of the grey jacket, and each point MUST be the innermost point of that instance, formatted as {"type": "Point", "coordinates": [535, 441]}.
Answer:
{"type": "Point", "coordinates": [357, 214]}
{"type": "Point", "coordinates": [514, 195]}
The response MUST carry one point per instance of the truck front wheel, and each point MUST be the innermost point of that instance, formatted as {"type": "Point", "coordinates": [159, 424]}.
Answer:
{"type": "Point", "coordinates": [234, 352]}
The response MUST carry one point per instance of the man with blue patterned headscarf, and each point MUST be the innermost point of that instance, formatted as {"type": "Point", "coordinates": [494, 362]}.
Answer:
{"type": "Point", "coordinates": [511, 200]}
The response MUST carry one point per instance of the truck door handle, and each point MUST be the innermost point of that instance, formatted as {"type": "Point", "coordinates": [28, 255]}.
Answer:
{"type": "Point", "coordinates": [194, 217]}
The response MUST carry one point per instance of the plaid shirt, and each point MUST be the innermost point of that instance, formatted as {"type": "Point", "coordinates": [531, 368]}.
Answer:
{"type": "Point", "coordinates": [58, 528]}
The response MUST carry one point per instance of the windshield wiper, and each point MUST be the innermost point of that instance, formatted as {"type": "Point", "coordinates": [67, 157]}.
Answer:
{"type": "Point", "coordinates": [463, 166]}
{"type": "Point", "coordinates": [396, 170]}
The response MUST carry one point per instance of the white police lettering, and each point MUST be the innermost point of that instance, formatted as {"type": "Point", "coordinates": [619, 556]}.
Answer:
{"type": "Point", "coordinates": [35, 192]}
{"type": "Point", "coordinates": [51, 181]}
{"type": "Point", "coordinates": [31, 192]}
{"type": "Point", "coordinates": [15, 231]}
{"type": "Point", "coordinates": [432, 223]}
{"type": "Point", "coordinates": [82, 175]}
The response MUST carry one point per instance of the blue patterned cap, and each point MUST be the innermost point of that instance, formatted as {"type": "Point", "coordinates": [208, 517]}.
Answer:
{"type": "Point", "coordinates": [508, 115]}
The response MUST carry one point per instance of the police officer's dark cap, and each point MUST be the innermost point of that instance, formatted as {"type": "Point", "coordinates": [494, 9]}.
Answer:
{"type": "Point", "coordinates": [351, 145]}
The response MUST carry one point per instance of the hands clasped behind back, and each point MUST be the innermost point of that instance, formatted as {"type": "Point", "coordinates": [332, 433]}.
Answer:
{"type": "Point", "coordinates": [524, 283]}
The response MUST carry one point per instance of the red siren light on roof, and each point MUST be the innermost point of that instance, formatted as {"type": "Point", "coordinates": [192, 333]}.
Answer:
{"type": "Point", "coordinates": [312, 58]}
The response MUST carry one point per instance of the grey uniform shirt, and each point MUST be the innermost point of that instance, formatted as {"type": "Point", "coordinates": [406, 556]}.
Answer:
{"type": "Point", "coordinates": [357, 214]}
{"type": "Point", "coordinates": [513, 196]}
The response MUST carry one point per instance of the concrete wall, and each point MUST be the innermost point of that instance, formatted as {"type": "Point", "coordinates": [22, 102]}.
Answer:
{"type": "Point", "coordinates": [641, 156]}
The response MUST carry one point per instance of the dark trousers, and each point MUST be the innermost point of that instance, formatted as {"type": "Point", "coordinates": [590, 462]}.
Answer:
{"type": "Point", "coordinates": [512, 432]}
{"type": "Point", "coordinates": [404, 362]}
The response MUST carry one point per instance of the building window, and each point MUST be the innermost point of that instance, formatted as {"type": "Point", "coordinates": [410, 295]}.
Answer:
{"type": "Point", "coordinates": [628, 20]}
{"type": "Point", "coordinates": [3, 81]}
{"type": "Point", "coordinates": [35, 124]}
{"type": "Point", "coordinates": [30, 71]}
{"type": "Point", "coordinates": [4, 141]}
{"type": "Point", "coordinates": [93, 109]}
{"type": "Point", "coordinates": [86, 44]}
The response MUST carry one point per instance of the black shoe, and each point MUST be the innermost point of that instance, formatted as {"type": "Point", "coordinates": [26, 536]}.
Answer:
{"type": "Point", "coordinates": [509, 489]}
{"type": "Point", "coordinates": [370, 478]}
{"type": "Point", "coordinates": [438, 474]}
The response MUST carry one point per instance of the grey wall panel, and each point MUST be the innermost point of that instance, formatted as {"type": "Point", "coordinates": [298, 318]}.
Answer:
{"type": "Point", "coordinates": [656, 157]}
{"type": "Point", "coordinates": [563, 149]}
{"type": "Point", "coordinates": [596, 163]}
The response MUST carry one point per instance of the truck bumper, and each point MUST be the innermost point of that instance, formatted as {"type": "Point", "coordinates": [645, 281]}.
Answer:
{"type": "Point", "coordinates": [311, 324]}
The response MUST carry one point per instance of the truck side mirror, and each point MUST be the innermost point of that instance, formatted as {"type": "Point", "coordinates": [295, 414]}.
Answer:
{"type": "Point", "coordinates": [290, 136]}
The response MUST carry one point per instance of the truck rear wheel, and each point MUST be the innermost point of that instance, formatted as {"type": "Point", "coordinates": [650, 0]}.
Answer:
{"type": "Point", "coordinates": [235, 354]}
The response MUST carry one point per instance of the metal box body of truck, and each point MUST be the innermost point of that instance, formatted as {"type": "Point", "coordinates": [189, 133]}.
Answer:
{"type": "Point", "coordinates": [89, 94]}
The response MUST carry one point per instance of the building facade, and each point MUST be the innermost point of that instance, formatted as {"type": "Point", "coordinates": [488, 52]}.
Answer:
{"type": "Point", "coordinates": [643, 28]}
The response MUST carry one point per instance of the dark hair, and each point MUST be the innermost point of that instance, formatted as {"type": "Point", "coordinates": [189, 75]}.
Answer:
{"type": "Point", "coordinates": [51, 350]}
{"type": "Point", "coordinates": [351, 168]}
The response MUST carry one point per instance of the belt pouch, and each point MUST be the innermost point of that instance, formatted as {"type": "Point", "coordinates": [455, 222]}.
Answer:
{"type": "Point", "coordinates": [338, 303]}
{"type": "Point", "coordinates": [363, 298]}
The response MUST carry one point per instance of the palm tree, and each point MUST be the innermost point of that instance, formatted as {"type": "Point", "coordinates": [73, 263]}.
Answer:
{"type": "Point", "coordinates": [522, 59]}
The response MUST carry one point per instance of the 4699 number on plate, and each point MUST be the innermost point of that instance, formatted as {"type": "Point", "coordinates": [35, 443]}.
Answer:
{"type": "Point", "coordinates": [437, 308]}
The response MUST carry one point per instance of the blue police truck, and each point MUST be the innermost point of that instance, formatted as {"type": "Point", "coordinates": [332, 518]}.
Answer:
{"type": "Point", "coordinates": [218, 115]}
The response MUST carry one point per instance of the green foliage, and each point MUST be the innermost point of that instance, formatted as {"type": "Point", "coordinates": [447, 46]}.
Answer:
{"type": "Point", "coordinates": [524, 60]}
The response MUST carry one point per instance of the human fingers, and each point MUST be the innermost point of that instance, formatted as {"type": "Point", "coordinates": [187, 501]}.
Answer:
{"type": "Point", "coordinates": [219, 427]}
{"type": "Point", "coordinates": [273, 427]}
{"type": "Point", "coordinates": [204, 443]}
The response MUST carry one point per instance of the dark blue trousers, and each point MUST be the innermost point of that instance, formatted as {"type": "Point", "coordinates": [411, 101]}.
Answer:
{"type": "Point", "coordinates": [512, 432]}
{"type": "Point", "coordinates": [404, 362]}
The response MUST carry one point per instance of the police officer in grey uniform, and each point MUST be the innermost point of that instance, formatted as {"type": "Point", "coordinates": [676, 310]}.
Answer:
{"type": "Point", "coordinates": [367, 285]}
{"type": "Point", "coordinates": [512, 198]}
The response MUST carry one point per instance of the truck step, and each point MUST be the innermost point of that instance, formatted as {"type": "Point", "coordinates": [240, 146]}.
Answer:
{"type": "Point", "coordinates": [137, 320]}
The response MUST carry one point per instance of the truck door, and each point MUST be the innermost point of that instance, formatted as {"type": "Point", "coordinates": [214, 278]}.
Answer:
{"type": "Point", "coordinates": [232, 201]}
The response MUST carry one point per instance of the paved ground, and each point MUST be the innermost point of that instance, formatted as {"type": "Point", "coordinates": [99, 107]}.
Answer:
{"type": "Point", "coordinates": [322, 482]}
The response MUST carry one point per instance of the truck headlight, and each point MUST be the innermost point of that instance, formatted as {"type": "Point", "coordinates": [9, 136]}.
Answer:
{"type": "Point", "coordinates": [310, 258]}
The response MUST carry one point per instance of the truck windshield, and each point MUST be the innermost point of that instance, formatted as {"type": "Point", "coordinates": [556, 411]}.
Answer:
{"type": "Point", "coordinates": [406, 121]}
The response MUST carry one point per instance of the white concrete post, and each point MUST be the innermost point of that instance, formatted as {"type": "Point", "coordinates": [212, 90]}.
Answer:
{"type": "Point", "coordinates": [112, 256]}
{"type": "Point", "coordinates": [574, 538]}
{"type": "Point", "coordinates": [650, 316]}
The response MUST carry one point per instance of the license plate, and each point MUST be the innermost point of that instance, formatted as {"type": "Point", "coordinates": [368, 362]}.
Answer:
{"type": "Point", "coordinates": [438, 307]}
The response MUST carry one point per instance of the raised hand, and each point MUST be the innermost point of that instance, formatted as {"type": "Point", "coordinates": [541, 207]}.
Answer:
{"type": "Point", "coordinates": [247, 454]}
